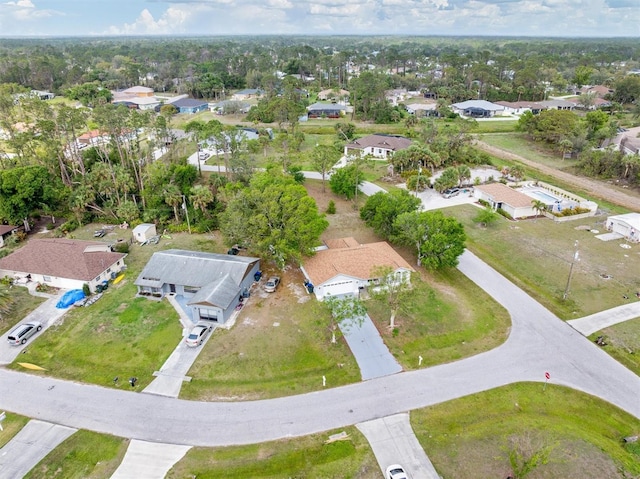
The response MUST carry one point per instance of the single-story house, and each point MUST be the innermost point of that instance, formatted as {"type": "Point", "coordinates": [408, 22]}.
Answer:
{"type": "Point", "coordinates": [43, 95]}
{"type": "Point", "coordinates": [211, 283]}
{"type": "Point", "coordinates": [326, 110]}
{"type": "Point", "coordinates": [139, 103]}
{"type": "Point", "coordinates": [600, 91]}
{"type": "Point", "coordinates": [139, 91]}
{"type": "Point", "coordinates": [190, 105]}
{"type": "Point", "coordinates": [500, 196]}
{"type": "Point", "coordinates": [477, 108]}
{"type": "Point", "coordinates": [93, 138]}
{"type": "Point", "coordinates": [628, 225]}
{"type": "Point", "coordinates": [332, 94]}
{"type": "Point", "coordinates": [378, 145]}
{"type": "Point", "coordinates": [557, 105]}
{"type": "Point", "coordinates": [144, 232]}
{"type": "Point", "coordinates": [6, 231]}
{"type": "Point", "coordinates": [519, 107]}
{"type": "Point", "coordinates": [346, 266]}
{"type": "Point", "coordinates": [247, 94]}
{"type": "Point", "coordinates": [63, 263]}
{"type": "Point", "coordinates": [229, 107]}
{"type": "Point", "coordinates": [422, 109]}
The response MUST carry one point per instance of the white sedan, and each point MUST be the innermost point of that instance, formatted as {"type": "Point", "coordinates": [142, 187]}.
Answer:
{"type": "Point", "coordinates": [198, 334]}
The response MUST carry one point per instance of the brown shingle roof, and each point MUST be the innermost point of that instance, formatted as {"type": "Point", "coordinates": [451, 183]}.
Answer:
{"type": "Point", "coordinates": [503, 194]}
{"type": "Point", "coordinates": [353, 259]}
{"type": "Point", "coordinates": [4, 229]}
{"type": "Point", "coordinates": [387, 142]}
{"type": "Point", "coordinates": [62, 258]}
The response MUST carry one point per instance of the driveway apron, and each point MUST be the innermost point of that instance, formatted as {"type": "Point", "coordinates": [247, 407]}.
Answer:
{"type": "Point", "coordinates": [30, 446]}
{"type": "Point", "coordinates": [149, 460]}
{"type": "Point", "coordinates": [372, 355]}
{"type": "Point", "coordinates": [393, 442]}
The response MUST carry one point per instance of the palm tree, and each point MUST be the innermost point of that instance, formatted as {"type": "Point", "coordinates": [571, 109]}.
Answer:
{"type": "Point", "coordinates": [201, 197]}
{"type": "Point", "coordinates": [173, 198]}
{"type": "Point", "coordinates": [539, 207]}
{"type": "Point", "coordinates": [565, 145]}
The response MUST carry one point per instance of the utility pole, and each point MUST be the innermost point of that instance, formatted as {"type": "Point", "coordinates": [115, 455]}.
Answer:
{"type": "Point", "coordinates": [576, 257]}
{"type": "Point", "coordinates": [184, 207]}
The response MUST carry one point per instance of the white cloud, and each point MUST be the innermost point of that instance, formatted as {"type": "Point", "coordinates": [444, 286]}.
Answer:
{"type": "Point", "coordinates": [173, 20]}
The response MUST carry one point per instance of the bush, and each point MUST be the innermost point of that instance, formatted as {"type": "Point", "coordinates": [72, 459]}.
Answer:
{"type": "Point", "coordinates": [504, 213]}
{"type": "Point", "coordinates": [86, 290]}
{"type": "Point", "coordinates": [122, 247]}
{"type": "Point", "coordinates": [331, 208]}
{"type": "Point", "coordinates": [69, 226]}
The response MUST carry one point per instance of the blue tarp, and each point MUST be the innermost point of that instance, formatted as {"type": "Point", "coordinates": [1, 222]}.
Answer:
{"type": "Point", "coordinates": [69, 298]}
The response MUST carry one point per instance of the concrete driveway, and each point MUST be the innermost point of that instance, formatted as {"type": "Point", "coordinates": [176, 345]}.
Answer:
{"type": "Point", "coordinates": [30, 446]}
{"type": "Point", "coordinates": [368, 348]}
{"type": "Point", "coordinates": [149, 460]}
{"type": "Point", "coordinates": [46, 313]}
{"type": "Point", "coordinates": [393, 442]}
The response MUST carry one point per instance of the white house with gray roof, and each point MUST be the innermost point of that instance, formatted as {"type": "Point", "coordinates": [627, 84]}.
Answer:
{"type": "Point", "coordinates": [211, 283]}
{"type": "Point", "coordinates": [477, 108]}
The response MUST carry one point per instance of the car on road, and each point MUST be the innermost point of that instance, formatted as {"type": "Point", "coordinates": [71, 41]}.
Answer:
{"type": "Point", "coordinates": [450, 192]}
{"type": "Point", "coordinates": [21, 333]}
{"type": "Point", "coordinates": [203, 155]}
{"type": "Point", "coordinates": [396, 471]}
{"type": "Point", "coordinates": [271, 284]}
{"type": "Point", "coordinates": [198, 334]}
{"type": "Point", "coordinates": [99, 233]}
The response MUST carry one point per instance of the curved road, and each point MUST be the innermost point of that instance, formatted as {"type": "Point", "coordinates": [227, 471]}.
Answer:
{"type": "Point", "coordinates": [538, 342]}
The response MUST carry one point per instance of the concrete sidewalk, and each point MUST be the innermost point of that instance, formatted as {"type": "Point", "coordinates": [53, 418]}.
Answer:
{"type": "Point", "coordinates": [595, 322]}
{"type": "Point", "coordinates": [149, 460]}
{"type": "Point", "coordinates": [372, 355]}
{"type": "Point", "coordinates": [393, 442]}
{"type": "Point", "coordinates": [30, 446]}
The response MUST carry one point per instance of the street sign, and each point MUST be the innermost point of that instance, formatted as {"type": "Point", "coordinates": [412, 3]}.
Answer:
{"type": "Point", "coordinates": [547, 376]}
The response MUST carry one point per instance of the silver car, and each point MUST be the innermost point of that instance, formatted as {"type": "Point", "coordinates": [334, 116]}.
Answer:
{"type": "Point", "coordinates": [198, 334]}
{"type": "Point", "coordinates": [21, 333]}
{"type": "Point", "coordinates": [271, 284]}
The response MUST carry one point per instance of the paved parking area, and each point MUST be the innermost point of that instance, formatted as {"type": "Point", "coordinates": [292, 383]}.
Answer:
{"type": "Point", "coordinates": [393, 442]}
{"type": "Point", "coordinates": [30, 446]}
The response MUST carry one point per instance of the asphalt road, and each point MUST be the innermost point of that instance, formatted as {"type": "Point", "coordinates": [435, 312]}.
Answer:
{"type": "Point", "coordinates": [538, 343]}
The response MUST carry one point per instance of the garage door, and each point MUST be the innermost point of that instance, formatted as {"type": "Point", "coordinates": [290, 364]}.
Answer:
{"type": "Point", "coordinates": [343, 287]}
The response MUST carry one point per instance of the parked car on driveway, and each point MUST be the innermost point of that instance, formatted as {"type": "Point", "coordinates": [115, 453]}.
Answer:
{"type": "Point", "coordinates": [396, 471]}
{"type": "Point", "coordinates": [450, 192]}
{"type": "Point", "coordinates": [198, 334]}
{"type": "Point", "coordinates": [21, 333]}
{"type": "Point", "coordinates": [271, 284]}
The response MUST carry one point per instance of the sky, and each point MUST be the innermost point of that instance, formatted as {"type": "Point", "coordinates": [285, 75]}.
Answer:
{"type": "Point", "coordinates": [555, 18]}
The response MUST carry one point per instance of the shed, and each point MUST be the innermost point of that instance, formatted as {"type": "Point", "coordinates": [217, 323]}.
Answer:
{"type": "Point", "coordinates": [627, 225]}
{"type": "Point", "coordinates": [144, 232]}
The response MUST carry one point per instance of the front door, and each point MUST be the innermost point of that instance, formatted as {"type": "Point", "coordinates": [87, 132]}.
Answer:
{"type": "Point", "coordinates": [172, 288]}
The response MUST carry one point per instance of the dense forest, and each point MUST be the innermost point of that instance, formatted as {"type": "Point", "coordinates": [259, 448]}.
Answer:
{"type": "Point", "coordinates": [140, 172]}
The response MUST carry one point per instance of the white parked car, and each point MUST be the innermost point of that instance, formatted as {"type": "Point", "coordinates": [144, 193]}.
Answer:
{"type": "Point", "coordinates": [198, 334]}
{"type": "Point", "coordinates": [396, 471]}
{"type": "Point", "coordinates": [21, 333]}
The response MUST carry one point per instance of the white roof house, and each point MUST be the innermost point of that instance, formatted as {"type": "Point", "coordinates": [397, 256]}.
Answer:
{"type": "Point", "coordinates": [627, 225]}
{"type": "Point", "coordinates": [143, 232]}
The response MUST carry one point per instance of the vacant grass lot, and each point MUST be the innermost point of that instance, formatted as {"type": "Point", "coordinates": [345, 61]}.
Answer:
{"type": "Point", "coordinates": [307, 457]}
{"type": "Point", "coordinates": [83, 455]}
{"type": "Point", "coordinates": [469, 438]}
{"type": "Point", "coordinates": [623, 343]}
{"type": "Point", "coordinates": [12, 425]}
{"type": "Point", "coordinates": [536, 254]}
{"type": "Point", "coordinates": [519, 144]}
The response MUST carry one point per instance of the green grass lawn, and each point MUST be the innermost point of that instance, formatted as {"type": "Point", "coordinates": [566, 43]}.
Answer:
{"type": "Point", "coordinates": [447, 318]}
{"type": "Point", "coordinates": [536, 255]}
{"type": "Point", "coordinates": [496, 126]}
{"type": "Point", "coordinates": [519, 144]}
{"type": "Point", "coordinates": [307, 457]}
{"type": "Point", "coordinates": [623, 343]}
{"type": "Point", "coordinates": [11, 426]}
{"type": "Point", "coordinates": [23, 304]}
{"type": "Point", "coordinates": [83, 455]}
{"type": "Point", "coordinates": [470, 438]}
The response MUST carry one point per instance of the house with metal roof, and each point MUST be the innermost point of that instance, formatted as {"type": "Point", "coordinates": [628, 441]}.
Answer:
{"type": "Point", "coordinates": [212, 284]}
{"type": "Point", "coordinates": [190, 105]}
{"type": "Point", "coordinates": [326, 110]}
{"type": "Point", "coordinates": [345, 267]}
{"type": "Point", "coordinates": [63, 263]}
{"type": "Point", "coordinates": [477, 108]}
{"type": "Point", "coordinates": [378, 145]}
{"type": "Point", "coordinates": [626, 225]}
